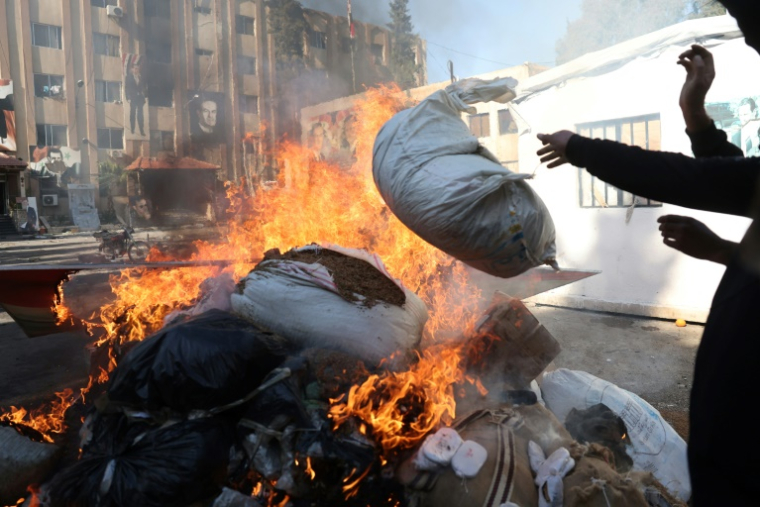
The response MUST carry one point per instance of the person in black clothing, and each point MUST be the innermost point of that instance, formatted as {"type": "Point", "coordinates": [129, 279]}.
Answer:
{"type": "Point", "coordinates": [722, 445]}
{"type": "Point", "coordinates": [134, 89]}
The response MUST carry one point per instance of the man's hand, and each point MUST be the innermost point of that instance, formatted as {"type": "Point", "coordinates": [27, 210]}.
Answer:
{"type": "Point", "coordinates": [700, 73]}
{"type": "Point", "coordinates": [695, 239]}
{"type": "Point", "coordinates": [555, 146]}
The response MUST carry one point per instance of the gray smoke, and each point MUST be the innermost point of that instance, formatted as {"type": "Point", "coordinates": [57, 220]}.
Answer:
{"type": "Point", "coordinates": [365, 11]}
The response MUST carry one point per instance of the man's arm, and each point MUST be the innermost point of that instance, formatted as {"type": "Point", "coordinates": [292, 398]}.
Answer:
{"type": "Point", "coordinates": [695, 239]}
{"type": "Point", "coordinates": [706, 139]}
{"type": "Point", "coordinates": [722, 185]}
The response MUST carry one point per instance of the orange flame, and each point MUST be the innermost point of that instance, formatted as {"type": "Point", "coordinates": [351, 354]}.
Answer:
{"type": "Point", "coordinates": [318, 201]}
{"type": "Point", "coordinates": [46, 420]}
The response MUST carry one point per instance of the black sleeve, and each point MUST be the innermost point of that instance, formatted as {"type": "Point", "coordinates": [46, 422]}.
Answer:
{"type": "Point", "coordinates": [712, 142]}
{"type": "Point", "coordinates": [719, 184]}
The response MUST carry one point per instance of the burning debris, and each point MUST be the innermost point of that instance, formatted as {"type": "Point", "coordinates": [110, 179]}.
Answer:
{"type": "Point", "coordinates": [332, 388]}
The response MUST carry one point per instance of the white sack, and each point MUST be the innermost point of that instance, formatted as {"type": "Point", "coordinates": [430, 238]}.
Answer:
{"type": "Point", "coordinates": [657, 448]}
{"type": "Point", "coordinates": [300, 302]}
{"type": "Point", "coordinates": [453, 193]}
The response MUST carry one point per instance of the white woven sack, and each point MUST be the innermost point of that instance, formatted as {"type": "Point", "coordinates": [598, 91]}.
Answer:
{"type": "Point", "coordinates": [657, 448]}
{"type": "Point", "coordinates": [300, 302]}
{"type": "Point", "coordinates": [437, 179]}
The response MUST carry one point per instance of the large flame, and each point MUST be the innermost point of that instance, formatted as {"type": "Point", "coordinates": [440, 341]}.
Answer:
{"type": "Point", "coordinates": [318, 201]}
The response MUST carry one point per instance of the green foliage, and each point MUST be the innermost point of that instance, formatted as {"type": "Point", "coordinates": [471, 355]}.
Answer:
{"type": "Point", "coordinates": [604, 23]}
{"type": "Point", "coordinates": [110, 175]}
{"type": "Point", "coordinates": [402, 56]}
{"type": "Point", "coordinates": [288, 25]}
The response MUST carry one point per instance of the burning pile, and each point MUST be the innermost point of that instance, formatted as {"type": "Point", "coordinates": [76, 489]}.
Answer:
{"type": "Point", "coordinates": [322, 385]}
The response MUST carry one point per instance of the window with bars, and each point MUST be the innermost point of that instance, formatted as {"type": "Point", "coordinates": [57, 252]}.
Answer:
{"type": "Point", "coordinates": [103, 3]}
{"type": "Point", "coordinates": [244, 25]}
{"type": "Point", "coordinates": [246, 65]}
{"type": "Point", "coordinates": [111, 139]}
{"type": "Point", "coordinates": [203, 52]}
{"type": "Point", "coordinates": [161, 140]}
{"type": "Point", "coordinates": [507, 123]}
{"type": "Point", "coordinates": [157, 9]}
{"type": "Point", "coordinates": [52, 135]}
{"type": "Point", "coordinates": [642, 131]}
{"type": "Point", "coordinates": [480, 124]}
{"type": "Point", "coordinates": [317, 39]}
{"type": "Point", "coordinates": [202, 10]}
{"type": "Point", "coordinates": [104, 44]}
{"type": "Point", "coordinates": [46, 85]}
{"type": "Point", "coordinates": [107, 91]}
{"type": "Point", "coordinates": [249, 104]}
{"type": "Point", "coordinates": [46, 36]}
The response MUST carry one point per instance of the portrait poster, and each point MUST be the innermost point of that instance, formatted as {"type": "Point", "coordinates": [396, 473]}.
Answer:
{"type": "Point", "coordinates": [739, 119]}
{"type": "Point", "coordinates": [135, 98]}
{"type": "Point", "coordinates": [55, 167]}
{"type": "Point", "coordinates": [7, 116]}
{"type": "Point", "coordinates": [32, 224]}
{"type": "Point", "coordinates": [332, 137]}
{"type": "Point", "coordinates": [206, 118]}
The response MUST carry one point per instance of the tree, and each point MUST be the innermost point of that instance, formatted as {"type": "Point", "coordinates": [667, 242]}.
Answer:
{"type": "Point", "coordinates": [288, 25]}
{"type": "Point", "coordinates": [604, 23]}
{"type": "Point", "coordinates": [402, 57]}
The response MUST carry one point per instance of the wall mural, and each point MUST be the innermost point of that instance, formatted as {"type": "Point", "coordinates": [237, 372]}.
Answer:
{"type": "Point", "coordinates": [7, 116]}
{"type": "Point", "coordinates": [136, 103]}
{"type": "Point", "coordinates": [740, 119]}
{"type": "Point", "coordinates": [56, 167]}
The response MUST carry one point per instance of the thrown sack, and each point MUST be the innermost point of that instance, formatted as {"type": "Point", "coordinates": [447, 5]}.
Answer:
{"type": "Point", "coordinates": [171, 466]}
{"type": "Point", "coordinates": [655, 445]}
{"type": "Point", "coordinates": [437, 179]}
{"type": "Point", "coordinates": [332, 298]}
{"type": "Point", "coordinates": [199, 364]}
{"type": "Point", "coordinates": [22, 462]}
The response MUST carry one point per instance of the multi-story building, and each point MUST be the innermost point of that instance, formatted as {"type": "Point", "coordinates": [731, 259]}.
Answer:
{"type": "Point", "coordinates": [113, 80]}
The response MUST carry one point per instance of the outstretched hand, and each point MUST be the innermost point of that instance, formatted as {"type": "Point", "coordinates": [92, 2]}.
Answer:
{"type": "Point", "coordinates": [700, 73]}
{"type": "Point", "coordinates": [555, 148]}
{"type": "Point", "coordinates": [695, 239]}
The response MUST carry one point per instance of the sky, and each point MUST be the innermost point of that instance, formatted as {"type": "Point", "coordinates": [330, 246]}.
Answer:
{"type": "Point", "coordinates": [477, 35]}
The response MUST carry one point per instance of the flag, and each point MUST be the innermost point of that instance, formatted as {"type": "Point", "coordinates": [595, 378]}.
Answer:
{"type": "Point", "coordinates": [351, 28]}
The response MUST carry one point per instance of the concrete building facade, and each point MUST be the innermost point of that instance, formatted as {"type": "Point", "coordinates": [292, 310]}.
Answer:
{"type": "Point", "coordinates": [112, 80]}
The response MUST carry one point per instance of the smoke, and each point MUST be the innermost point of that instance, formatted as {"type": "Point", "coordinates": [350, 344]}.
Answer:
{"type": "Point", "coordinates": [365, 11]}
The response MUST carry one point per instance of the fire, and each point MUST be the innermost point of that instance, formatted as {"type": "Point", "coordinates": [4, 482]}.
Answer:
{"type": "Point", "coordinates": [319, 201]}
{"type": "Point", "coordinates": [401, 408]}
{"type": "Point", "coordinates": [45, 420]}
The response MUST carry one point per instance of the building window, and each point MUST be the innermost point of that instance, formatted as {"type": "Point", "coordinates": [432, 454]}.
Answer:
{"type": "Point", "coordinates": [160, 96]}
{"type": "Point", "coordinates": [244, 25]}
{"type": "Point", "coordinates": [103, 3]}
{"type": "Point", "coordinates": [159, 52]}
{"type": "Point", "coordinates": [345, 44]}
{"type": "Point", "coordinates": [161, 141]}
{"type": "Point", "coordinates": [203, 52]}
{"type": "Point", "coordinates": [157, 9]}
{"type": "Point", "coordinates": [246, 65]}
{"type": "Point", "coordinates": [111, 139]}
{"type": "Point", "coordinates": [507, 124]}
{"type": "Point", "coordinates": [249, 104]}
{"type": "Point", "coordinates": [480, 124]}
{"type": "Point", "coordinates": [46, 36]}
{"type": "Point", "coordinates": [48, 85]}
{"type": "Point", "coordinates": [202, 10]}
{"type": "Point", "coordinates": [317, 39]}
{"type": "Point", "coordinates": [377, 52]}
{"type": "Point", "coordinates": [104, 44]}
{"type": "Point", "coordinates": [107, 91]}
{"type": "Point", "coordinates": [52, 135]}
{"type": "Point", "coordinates": [642, 131]}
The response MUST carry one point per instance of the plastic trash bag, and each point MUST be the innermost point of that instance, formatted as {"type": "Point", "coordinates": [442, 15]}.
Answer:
{"type": "Point", "coordinates": [302, 302]}
{"type": "Point", "coordinates": [437, 179]}
{"type": "Point", "coordinates": [171, 466]}
{"type": "Point", "coordinates": [655, 445]}
{"type": "Point", "coordinates": [206, 362]}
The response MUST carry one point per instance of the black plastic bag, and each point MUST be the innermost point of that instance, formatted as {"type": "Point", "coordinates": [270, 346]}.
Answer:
{"type": "Point", "coordinates": [599, 424]}
{"type": "Point", "coordinates": [199, 364]}
{"type": "Point", "coordinates": [174, 465]}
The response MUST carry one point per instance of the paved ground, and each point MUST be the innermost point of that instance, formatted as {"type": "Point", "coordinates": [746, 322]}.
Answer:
{"type": "Point", "coordinates": [652, 358]}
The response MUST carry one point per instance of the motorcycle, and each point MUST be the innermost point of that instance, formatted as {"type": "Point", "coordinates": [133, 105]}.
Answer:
{"type": "Point", "coordinates": [116, 244]}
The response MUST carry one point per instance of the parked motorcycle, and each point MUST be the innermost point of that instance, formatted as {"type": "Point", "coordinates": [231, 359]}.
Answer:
{"type": "Point", "coordinates": [116, 244]}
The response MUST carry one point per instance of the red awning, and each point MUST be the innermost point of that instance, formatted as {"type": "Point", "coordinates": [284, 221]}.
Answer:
{"type": "Point", "coordinates": [154, 163]}
{"type": "Point", "coordinates": [8, 162]}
